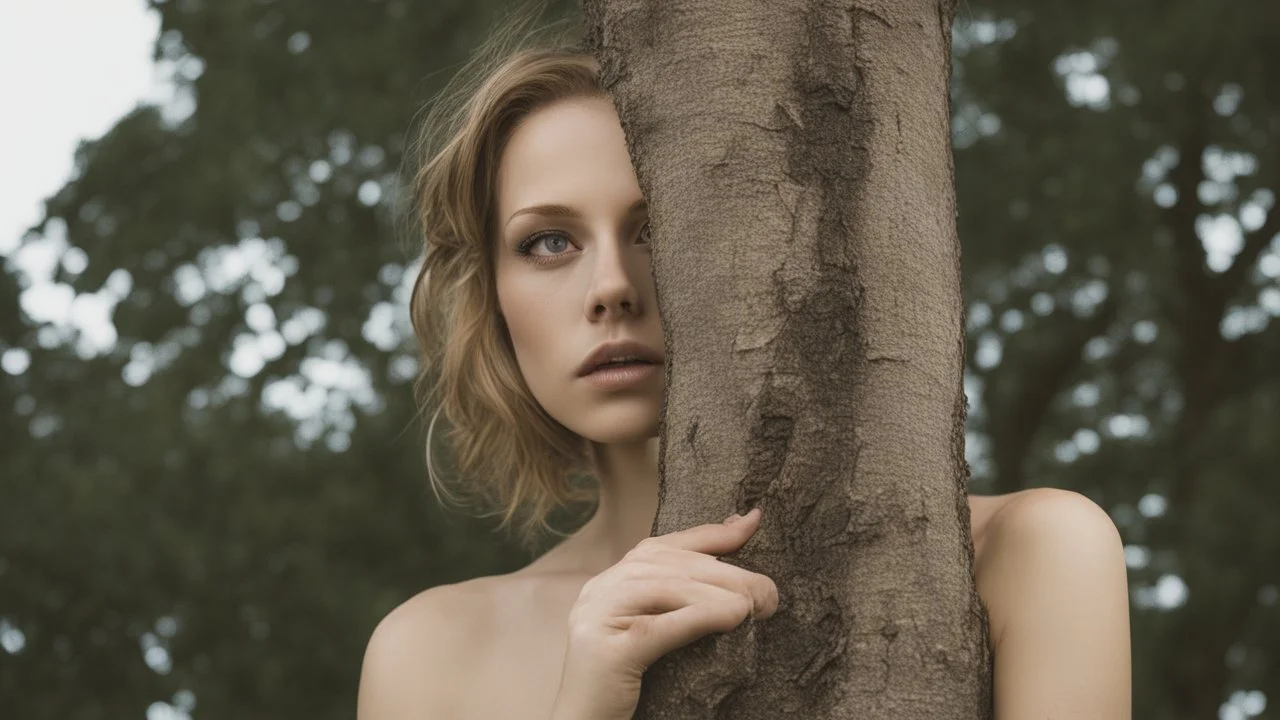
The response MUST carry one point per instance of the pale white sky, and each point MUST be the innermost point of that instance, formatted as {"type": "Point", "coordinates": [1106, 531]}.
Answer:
{"type": "Point", "coordinates": [68, 70]}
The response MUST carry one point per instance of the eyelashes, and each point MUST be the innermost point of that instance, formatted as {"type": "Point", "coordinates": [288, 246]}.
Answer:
{"type": "Point", "coordinates": [525, 247]}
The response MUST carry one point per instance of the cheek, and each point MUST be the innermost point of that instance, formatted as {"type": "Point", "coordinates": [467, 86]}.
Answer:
{"type": "Point", "coordinates": [537, 338]}
{"type": "Point", "coordinates": [530, 314]}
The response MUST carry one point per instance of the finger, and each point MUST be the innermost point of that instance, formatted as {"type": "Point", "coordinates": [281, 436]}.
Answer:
{"type": "Point", "coordinates": [712, 538]}
{"type": "Point", "coordinates": [678, 628]}
{"type": "Point", "coordinates": [653, 596]}
{"type": "Point", "coordinates": [711, 570]}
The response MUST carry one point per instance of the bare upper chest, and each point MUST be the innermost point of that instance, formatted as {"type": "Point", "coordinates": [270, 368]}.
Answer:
{"type": "Point", "coordinates": [516, 669]}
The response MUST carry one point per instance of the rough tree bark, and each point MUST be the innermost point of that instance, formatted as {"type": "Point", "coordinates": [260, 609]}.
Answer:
{"type": "Point", "coordinates": [796, 155]}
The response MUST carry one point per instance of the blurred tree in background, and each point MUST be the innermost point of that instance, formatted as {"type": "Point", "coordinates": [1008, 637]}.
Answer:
{"type": "Point", "coordinates": [213, 480]}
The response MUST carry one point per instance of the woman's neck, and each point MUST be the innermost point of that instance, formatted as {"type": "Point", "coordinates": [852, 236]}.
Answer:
{"type": "Point", "coordinates": [628, 475]}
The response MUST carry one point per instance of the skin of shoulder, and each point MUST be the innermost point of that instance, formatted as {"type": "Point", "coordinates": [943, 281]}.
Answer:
{"type": "Point", "coordinates": [1052, 576]}
{"type": "Point", "coordinates": [1056, 587]}
{"type": "Point", "coordinates": [411, 662]}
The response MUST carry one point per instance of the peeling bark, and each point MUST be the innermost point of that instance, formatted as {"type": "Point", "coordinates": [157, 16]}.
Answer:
{"type": "Point", "coordinates": [796, 158]}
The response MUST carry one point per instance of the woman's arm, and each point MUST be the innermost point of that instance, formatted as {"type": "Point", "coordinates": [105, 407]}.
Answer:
{"type": "Point", "coordinates": [1057, 593]}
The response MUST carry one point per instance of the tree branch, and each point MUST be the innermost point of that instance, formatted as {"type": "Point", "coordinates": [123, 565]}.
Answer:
{"type": "Point", "coordinates": [1247, 362]}
{"type": "Point", "coordinates": [1201, 677]}
{"type": "Point", "coordinates": [1018, 424]}
{"type": "Point", "coordinates": [1254, 243]}
{"type": "Point", "coordinates": [1188, 251]}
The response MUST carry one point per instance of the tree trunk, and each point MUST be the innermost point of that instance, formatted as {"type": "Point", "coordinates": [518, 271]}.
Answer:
{"type": "Point", "coordinates": [796, 157]}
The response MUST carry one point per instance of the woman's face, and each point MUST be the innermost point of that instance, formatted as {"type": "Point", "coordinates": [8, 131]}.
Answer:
{"type": "Point", "coordinates": [586, 278]}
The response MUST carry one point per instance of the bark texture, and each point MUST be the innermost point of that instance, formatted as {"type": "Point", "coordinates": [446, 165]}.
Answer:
{"type": "Point", "coordinates": [796, 155]}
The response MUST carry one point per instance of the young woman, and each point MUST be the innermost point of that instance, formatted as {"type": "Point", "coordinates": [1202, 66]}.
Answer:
{"type": "Point", "coordinates": [537, 259]}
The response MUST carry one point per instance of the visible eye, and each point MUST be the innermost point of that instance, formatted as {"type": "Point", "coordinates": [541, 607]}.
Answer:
{"type": "Point", "coordinates": [644, 233]}
{"type": "Point", "coordinates": [556, 241]}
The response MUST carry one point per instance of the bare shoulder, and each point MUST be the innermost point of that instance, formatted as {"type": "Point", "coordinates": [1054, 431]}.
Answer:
{"type": "Point", "coordinates": [417, 652]}
{"type": "Point", "coordinates": [1037, 531]}
{"type": "Point", "coordinates": [1055, 583]}
{"type": "Point", "coordinates": [1062, 508]}
{"type": "Point", "coordinates": [440, 654]}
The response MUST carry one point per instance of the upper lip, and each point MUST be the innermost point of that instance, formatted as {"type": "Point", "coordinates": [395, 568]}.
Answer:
{"type": "Point", "coordinates": [615, 350]}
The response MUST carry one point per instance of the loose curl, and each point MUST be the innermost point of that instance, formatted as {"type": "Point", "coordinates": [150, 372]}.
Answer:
{"type": "Point", "coordinates": [510, 452]}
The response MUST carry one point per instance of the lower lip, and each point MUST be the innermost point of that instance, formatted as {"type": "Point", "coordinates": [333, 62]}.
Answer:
{"type": "Point", "coordinates": [613, 378]}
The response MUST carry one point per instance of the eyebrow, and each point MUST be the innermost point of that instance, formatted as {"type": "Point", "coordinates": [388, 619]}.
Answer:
{"type": "Point", "coordinates": [554, 210]}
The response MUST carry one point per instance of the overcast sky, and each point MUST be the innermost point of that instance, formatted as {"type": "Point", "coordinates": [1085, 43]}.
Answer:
{"type": "Point", "coordinates": [68, 70]}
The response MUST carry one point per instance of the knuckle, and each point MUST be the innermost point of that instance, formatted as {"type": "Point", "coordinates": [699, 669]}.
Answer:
{"type": "Point", "coordinates": [635, 570]}
{"type": "Point", "coordinates": [646, 545]}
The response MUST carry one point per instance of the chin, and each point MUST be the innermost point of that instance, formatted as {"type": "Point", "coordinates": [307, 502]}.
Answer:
{"type": "Point", "coordinates": [618, 425]}
{"type": "Point", "coordinates": [614, 436]}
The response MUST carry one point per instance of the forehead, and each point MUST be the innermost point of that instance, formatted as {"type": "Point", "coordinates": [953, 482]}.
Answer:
{"type": "Point", "coordinates": [571, 152]}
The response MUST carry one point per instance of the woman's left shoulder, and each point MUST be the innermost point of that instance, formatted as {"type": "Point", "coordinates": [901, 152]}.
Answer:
{"type": "Point", "coordinates": [1053, 577]}
{"type": "Point", "coordinates": [1048, 513]}
{"type": "Point", "coordinates": [1038, 539]}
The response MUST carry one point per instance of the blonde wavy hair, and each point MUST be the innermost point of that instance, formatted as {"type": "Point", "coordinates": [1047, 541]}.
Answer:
{"type": "Point", "coordinates": [508, 452]}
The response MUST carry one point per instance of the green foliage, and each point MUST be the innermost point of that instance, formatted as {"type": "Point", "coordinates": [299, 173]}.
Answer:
{"type": "Point", "coordinates": [165, 502]}
{"type": "Point", "coordinates": [213, 509]}
{"type": "Point", "coordinates": [1123, 281]}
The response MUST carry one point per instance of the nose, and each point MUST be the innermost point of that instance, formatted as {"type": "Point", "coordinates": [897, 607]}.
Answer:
{"type": "Point", "coordinates": [614, 292]}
